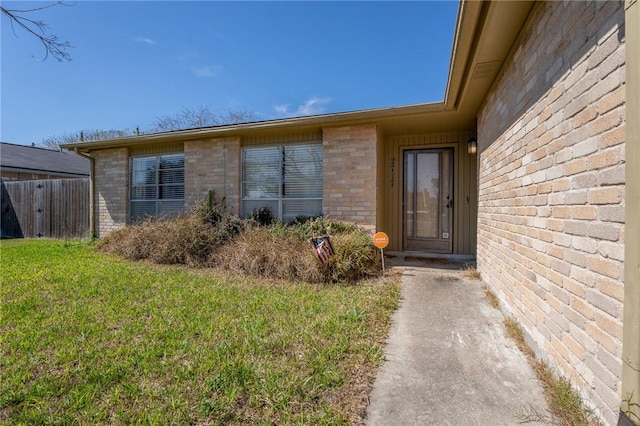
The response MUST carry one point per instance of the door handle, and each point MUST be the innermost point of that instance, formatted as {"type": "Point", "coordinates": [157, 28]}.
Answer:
{"type": "Point", "coordinates": [449, 202]}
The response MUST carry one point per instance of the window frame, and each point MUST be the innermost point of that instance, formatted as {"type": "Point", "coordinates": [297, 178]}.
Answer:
{"type": "Point", "coordinates": [156, 186]}
{"type": "Point", "coordinates": [280, 200]}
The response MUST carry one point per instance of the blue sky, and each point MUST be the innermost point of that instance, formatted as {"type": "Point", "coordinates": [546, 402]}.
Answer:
{"type": "Point", "coordinates": [133, 62]}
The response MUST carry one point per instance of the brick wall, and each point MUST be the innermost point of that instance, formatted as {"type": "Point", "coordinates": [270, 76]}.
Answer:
{"type": "Point", "coordinates": [111, 189]}
{"type": "Point", "coordinates": [213, 164]}
{"type": "Point", "coordinates": [551, 192]}
{"type": "Point", "coordinates": [349, 182]}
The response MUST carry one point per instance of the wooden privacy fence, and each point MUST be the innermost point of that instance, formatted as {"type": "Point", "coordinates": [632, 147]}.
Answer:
{"type": "Point", "coordinates": [53, 208]}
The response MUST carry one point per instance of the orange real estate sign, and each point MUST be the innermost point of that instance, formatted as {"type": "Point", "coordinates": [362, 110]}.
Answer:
{"type": "Point", "coordinates": [380, 240]}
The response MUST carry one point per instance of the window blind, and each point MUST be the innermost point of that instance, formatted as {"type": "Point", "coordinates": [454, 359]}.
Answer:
{"type": "Point", "coordinates": [156, 186]}
{"type": "Point", "coordinates": [285, 179]}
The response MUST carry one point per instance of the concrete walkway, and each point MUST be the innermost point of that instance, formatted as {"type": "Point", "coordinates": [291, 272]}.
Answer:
{"type": "Point", "coordinates": [448, 361]}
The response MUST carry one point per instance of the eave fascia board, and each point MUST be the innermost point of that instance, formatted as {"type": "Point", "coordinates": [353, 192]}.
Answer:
{"type": "Point", "coordinates": [485, 34]}
{"type": "Point", "coordinates": [324, 120]}
{"type": "Point", "coordinates": [464, 42]}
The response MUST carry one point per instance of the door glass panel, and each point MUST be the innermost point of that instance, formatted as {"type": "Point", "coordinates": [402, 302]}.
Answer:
{"type": "Point", "coordinates": [447, 196]}
{"type": "Point", "coordinates": [409, 195]}
{"type": "Point", "coordinates": [427, 195]}
{"type": "Point", "coordinates": [428, 200]}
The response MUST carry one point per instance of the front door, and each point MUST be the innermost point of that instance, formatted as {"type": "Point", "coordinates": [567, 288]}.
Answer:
{"type": "Point", "coordinates": [428, 200]}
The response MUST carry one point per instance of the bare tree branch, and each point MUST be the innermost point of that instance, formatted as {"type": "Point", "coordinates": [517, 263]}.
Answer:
{"type": "Point", "coordinates": [54, 142]}
{"type": "Point", "coordinates": [188, 118]}
{"type": "Point", "coordinates": [52, 45]}
{"type": "Point", "coordinates": [201, 116]}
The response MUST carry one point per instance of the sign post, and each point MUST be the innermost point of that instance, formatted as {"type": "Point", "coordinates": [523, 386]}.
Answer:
{"type": "Point", "coordinates": [381, 240]}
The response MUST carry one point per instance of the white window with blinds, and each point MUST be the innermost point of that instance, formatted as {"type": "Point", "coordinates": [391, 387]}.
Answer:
{"type": "Point", "coordinates": [156, 186]}
{"type": "Point", "coordinates": [286, 179]}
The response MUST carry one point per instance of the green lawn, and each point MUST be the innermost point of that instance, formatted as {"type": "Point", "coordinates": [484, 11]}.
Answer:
{"type": "Point", "coordinates": [90, 339]}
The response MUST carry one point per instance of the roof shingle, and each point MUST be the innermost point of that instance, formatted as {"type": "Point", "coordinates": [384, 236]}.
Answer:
{"type": "Point", "coordinates": [42, 160]}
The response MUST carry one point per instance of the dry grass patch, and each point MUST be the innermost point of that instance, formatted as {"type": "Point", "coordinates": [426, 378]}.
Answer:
{"type": "Point", "coordinates": [472, 273]}
{"type": "Point", "coordinates": [491, 297]}
{"type": "Point", "coordinates": [564, 402]}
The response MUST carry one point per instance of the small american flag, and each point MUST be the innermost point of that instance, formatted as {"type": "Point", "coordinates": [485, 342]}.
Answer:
{"type": "Point", "coordinates": [323, 247]}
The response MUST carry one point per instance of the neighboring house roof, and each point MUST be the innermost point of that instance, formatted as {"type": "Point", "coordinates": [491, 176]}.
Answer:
{"type": "Point", "coordinates": [30, 159]}
{"type": "Point", "coordinates": [484, 35]}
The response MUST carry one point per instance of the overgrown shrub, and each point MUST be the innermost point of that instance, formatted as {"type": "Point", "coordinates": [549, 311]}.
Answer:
{"type": "Point", "coordinates": [216, 214]}
{"type": "Point", "coordinates": [189, 239]}
{"type": "Point", "coordinates": [356, 257]}
{"type": "Point", "coordinates": [183, 240]}
{"type": "Point", "coordinates": [264, 253]}
{"type": "Point", "coordinates": [210, 236]}
{"type": "Point", "coordinates": [284, 251]}
{"type": "Point", "coordinates": [323, 226]}
{"type": "Point", "coordinates": [304, 228]}
{"type": "Point", "coordinates": [263, 216]}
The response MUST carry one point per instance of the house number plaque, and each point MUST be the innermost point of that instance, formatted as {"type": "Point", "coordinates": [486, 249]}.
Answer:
{"type": "Point", "coordinates": [392, 181]}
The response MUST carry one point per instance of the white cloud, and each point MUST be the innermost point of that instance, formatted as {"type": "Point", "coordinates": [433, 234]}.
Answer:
{"type": "Point", "coordinates": [145, 40]}
{"type": "Point", "coordinates": [282, 109]}
{"type": "Point", "coordinates": [206, 71]}
{"type": "Point", "coordinates": [312, 106]}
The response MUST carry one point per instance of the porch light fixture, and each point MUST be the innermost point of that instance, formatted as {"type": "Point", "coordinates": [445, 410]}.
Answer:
{"type": "Point", "coordinates": [472, 146]}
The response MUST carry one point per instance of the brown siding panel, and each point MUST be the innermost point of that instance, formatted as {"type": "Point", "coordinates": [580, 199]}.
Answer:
{"type": "Point", "coordinates": [465, 185]}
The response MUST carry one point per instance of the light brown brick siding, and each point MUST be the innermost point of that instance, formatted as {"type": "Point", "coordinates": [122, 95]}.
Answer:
{"type": "Point", "coordinates": [111, 189]}
{"type": "Point", "coordinates": [349, 178]}
{"type": "Point", "coordinates": [551, 192]}
{"type": "Point", "coordinates": [213, 164]}
{"type": "Point", "coordinates": [350, 170]}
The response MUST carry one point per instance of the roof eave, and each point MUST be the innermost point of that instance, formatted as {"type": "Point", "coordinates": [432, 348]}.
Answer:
{"type": "Point", "coordinates": [463, 40]}
{"type": "Point", "coordinates": [485, 35]}
{"type": "Point", "coordinates": [324, 120]}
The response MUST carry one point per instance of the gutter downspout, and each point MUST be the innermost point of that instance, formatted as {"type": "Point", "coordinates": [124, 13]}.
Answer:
{"type": "Point", "coordinates": [92, 168]}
